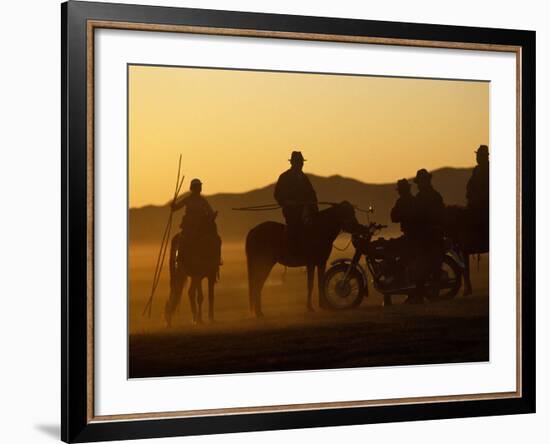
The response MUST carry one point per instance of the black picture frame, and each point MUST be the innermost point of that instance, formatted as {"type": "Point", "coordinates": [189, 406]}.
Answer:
{"type": "Point", "coordinates": [76, 424]}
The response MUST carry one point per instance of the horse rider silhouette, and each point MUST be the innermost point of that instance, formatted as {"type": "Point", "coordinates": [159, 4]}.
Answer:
{"type": "Point", "coordinates": [477, 188]}
{"type": "Point", "coordinates": [198, 229]}
{"type": "Point", "coordinates": [195, 252]}
{"type": "Point", "coordinates": [477, 197]}
{"type": "Point", "coordinates": [295, 194]}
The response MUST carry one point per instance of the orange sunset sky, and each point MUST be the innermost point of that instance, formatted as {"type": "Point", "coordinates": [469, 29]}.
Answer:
{"type": "Point", "coordinates": [236, 129]}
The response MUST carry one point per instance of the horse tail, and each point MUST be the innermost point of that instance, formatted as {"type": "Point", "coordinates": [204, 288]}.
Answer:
{"type": "Point", "coordinates": [174, 299]}
{"type": "Point", "coordinates": [262, 246]}
{"type": "Point", "coordinates": [250, 273]}
{"type": "Point", "coordinates": [257, 272]}
{"type": "Point", "coordinates": [178, 280]}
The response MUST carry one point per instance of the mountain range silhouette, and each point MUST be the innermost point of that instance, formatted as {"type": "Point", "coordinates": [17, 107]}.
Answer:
{"type": "Point", "coordinates": [146, 224]}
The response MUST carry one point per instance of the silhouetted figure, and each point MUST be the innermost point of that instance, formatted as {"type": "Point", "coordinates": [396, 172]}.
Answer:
{"type": "Point", "coordinates": [400, 250]}
{"type": "Point", "coordinates": [468, 226]}
{"type": "Point", "coordinates": [426, 232]}
{"type": "Point", "coordinates": [403, 211]}
{"type": "Point", "coordinates": [295, 194]}
{"type": "Point", "coordinates": [477, 189]}
{"type": "Point", "coordinates": [197, 208]}
{"type": "Point", "coordinates": [477, 196]}
{"type": "Point", "coordinates": [195, 253]}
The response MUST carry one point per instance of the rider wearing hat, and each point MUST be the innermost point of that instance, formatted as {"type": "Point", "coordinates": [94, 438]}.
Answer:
{"type": "Point", "coordinates": [477, 189]}
{"type": "Point", "coordinates": [427, 232]}
{"type": "Point", "coordinates": [428, 207]}
{"type": "Point", "coordinates": [477, 196]}
{"type": "Point", "coordinates": [295, 194]}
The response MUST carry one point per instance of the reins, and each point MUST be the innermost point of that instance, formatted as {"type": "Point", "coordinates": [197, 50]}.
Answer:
{"type": "Point", "coordinates": [275, 206]}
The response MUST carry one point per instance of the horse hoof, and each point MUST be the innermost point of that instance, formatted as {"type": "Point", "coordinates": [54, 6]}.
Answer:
{"type": "Point", "coordinates": [467, 292]}
{"type": "Point", "coordinates": [310, 309]}
{"type": "Point", "coordinates": [259, 315]}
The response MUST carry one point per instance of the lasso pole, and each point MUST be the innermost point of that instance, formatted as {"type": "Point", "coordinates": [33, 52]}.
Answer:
{"type": "Point", "coordinates": [164, 243]}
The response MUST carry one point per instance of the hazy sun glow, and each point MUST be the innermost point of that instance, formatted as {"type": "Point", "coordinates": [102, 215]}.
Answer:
{"type": "Point", "coordinates": [236, 129]}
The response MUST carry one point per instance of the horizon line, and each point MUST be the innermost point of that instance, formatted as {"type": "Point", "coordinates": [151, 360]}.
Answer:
{"type": "Point", "coordinates": [309, 174]}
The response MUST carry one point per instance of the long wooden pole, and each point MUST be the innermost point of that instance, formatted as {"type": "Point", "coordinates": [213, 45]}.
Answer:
{"type": "Point", "coordinates": [164, 243]}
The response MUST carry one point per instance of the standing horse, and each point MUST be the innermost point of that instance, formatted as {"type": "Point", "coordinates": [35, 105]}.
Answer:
{"type": "Point", "coordinates": [267, 244]}
{"type": "Point", "coordinates": [470, 235]}
{"type": "Point", "coordinates": [197, 260]}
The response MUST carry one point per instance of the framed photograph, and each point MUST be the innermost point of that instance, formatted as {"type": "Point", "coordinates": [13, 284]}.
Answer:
{"type": "Point", "coordinates": [275, 221]}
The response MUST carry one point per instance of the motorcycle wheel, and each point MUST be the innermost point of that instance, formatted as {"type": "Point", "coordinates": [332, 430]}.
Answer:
{"type": "Point", "coordinates": [339, 295]}
{"type": "Point", "coordinates": [451, 275]}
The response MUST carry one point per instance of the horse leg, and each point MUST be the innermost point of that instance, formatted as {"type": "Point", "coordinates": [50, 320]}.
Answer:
{"type": "Point", "coordinates": [257, 275]}
{"type": "Point", "coordinates": [320, 284]}
{"type": "Point", "coordinates": [192, 298]}
{"type": "Point", "coordinates": [200, 298]}
{"type": "Point", "coordinates": [171, 303]}
{"type": "Point", "coordinates": [177, 284]}
{"type": "Point", "coordinates": [467, 281]}
{"type": "Point", "coordinates": [211, 283]}
{"type": "Point", "coordinates": [310, 276]}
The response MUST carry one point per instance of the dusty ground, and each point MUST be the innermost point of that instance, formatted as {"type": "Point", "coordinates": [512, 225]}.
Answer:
{"type": "Point", "coordinates": [289, 338]}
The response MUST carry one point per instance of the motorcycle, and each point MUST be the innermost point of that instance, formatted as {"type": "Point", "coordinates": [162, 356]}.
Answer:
{"type": "Point", "coordinates": [346, 282]}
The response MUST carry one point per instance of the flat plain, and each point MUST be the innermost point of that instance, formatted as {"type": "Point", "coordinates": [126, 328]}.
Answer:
{"type": "Point", "coordinates": [290, 337]}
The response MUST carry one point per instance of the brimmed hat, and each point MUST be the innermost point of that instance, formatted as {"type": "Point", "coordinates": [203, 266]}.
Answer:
{"type": "Point", "coordinates": [483, 149]}
{"type": "Point", "coordinates": [403, 184]}
{"type": "Point", "coordinates": [421, 175]}
{"type": "Point", "coordinates": [296, 155]}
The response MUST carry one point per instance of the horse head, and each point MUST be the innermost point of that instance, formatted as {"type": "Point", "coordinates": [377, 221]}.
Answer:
{"type": "Point", "coordinates": [346, 216]}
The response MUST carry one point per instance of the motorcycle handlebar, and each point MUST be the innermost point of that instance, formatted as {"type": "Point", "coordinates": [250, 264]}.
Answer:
{"type": "Point", "coordinates": [370, 228]}
{"type": "Point", "coordinates": [378, 226]}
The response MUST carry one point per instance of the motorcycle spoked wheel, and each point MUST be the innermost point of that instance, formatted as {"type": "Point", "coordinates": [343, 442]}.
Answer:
{"type": "Point", "coordinates": [340, 295]}
{"type": "Point", "coordinates": [451, 274]}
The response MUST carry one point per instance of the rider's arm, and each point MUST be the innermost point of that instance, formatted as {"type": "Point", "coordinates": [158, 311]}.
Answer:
{"type": "Point", "coordinates": [179, 204]}
{"type": "Point", "coordinates": [279, 193]}
{"type": "Point", "coordinates": [395, 214]}
{"type": "Point", "coordinates": [470, 186]}
{"type": "Point", "coordinates": [312, 191]}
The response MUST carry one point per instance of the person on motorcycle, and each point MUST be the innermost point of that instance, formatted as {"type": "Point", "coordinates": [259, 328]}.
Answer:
{"type": "Point", "coordinates": [295, 194]}
{"type": "Point", "coordinates": [426, 232]}
{"type": "Point", "coordinates": [403, 210]}
{"type": "Point", "coordinates": [477, 196]}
